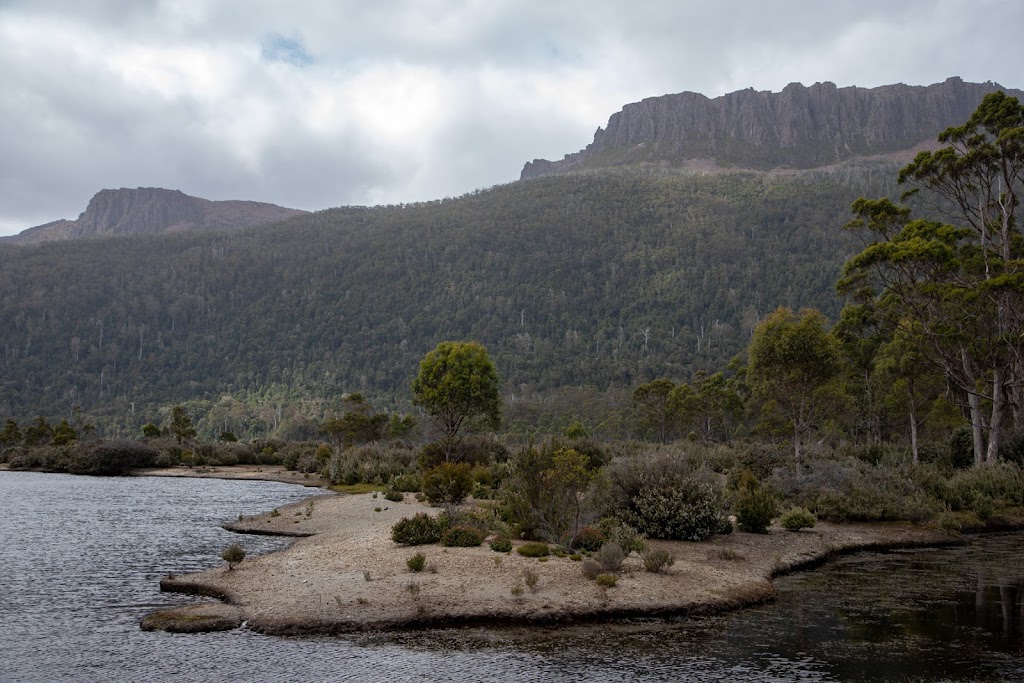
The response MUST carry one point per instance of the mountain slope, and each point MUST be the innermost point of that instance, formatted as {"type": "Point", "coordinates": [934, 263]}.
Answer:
{"type": "Point", "coordinates": [800, 127]}
{"type": "Point", "coordinates": [151, 210]}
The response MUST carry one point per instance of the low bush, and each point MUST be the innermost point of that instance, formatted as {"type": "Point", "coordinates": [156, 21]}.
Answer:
{"type": "Point", "coordinates": [447, 484]}
{"type": "Point", "coordinates": [501, 545]}
{"type": "Point", "coordinates": [656, 560]}
{"type": "Point", "coordinates": [534, 549]}
{"type": "Point", "coordinates": [416, 530]}
{"type": "Point", "coordinates": [462, 537]}
{"type": "Point", "coordinates": [627, 538]}
{"type": "Point", "coordinates": [417, 562]}
{"type": "Point", "coordinates": [610, 557]}
{"type": "Point", "coordinates": [233, 555]}
{"type": "Point", "coordinates": [798, 518]}
{"type": "Point", "coordinates": [588, 538]}
{"type": "Point", "coordinates": [755, 509]}
{"type": "Point", "coordinates": [606, 580]}
{"type": "Point", "coordinates": [394, 496]}
{"type": "Point", "coordinates": [677, 508]}
{"type": "Point", "coordinates": [590, 568]}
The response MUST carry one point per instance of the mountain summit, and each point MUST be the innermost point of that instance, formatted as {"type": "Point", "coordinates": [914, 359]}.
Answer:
{"type": "Point", "coordinates": [800, 127]}
{"type": "Point", "coordinates": [150, 210]}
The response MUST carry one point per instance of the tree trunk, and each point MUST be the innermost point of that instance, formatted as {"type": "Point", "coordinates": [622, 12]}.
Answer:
{"type": "Point", "coordinates": [974, 403]}
{"type": "Point", "coordinates": [997, 415]}
{"type": "Point", "coordinates": [913, 429]}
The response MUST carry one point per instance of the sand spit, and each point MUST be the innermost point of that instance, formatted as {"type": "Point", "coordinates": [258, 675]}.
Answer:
{"type": "Point", "coordinates": [348, 575]}
{"type": "Point", "coordinates": [245, 472]}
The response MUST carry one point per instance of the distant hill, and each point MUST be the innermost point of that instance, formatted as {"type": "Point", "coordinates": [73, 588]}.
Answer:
{"type": "Point", "coordinates": [798, 128]}
{"type": "Point", "coordinates": [153, 210]}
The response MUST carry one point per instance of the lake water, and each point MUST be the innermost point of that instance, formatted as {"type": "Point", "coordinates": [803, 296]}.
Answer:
{"type": "Point", "coordinates": [81, 558]}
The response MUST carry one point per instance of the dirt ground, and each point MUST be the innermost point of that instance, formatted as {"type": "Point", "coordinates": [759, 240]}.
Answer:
{"type": "Point", "coordinates": [347, 574]}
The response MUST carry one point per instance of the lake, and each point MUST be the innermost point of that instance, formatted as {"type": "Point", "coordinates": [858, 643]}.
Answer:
{"type": "Point", "coordinates": [82, 557]}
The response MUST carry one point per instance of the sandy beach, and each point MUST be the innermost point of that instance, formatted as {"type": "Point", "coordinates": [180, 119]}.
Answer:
{"type": "Point", "coordinates": [344, 573]}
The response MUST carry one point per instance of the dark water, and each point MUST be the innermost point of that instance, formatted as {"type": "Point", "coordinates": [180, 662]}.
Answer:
{"type": "Point", "coordinates": [80, 561]}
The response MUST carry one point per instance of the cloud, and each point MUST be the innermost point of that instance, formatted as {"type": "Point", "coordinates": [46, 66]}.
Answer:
{"type": "Point", "coordinates": [329, 103]}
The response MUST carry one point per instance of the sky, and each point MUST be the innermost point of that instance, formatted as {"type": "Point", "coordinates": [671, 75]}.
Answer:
{"type": "Point", "coordinates": [313, 104]}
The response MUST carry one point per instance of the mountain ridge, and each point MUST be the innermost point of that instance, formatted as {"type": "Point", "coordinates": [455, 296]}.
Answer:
{"type": "Point", "coordinates": [800, 127]}
{"type": "Point", "coordinates": [154, 210]}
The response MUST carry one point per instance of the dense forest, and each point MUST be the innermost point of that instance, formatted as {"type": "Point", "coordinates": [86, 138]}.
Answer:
{"type": "Point", "coordinates": [589, 282]}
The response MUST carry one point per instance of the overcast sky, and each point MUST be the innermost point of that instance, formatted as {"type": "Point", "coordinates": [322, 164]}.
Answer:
{"type": "Point", "coordinates": [324, 103]}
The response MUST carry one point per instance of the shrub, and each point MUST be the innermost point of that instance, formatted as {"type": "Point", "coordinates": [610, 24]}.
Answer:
{"type": "Point", "coordinates": [798, 518]}
{"type": "Point", "coordinates": [755, 509]}
{"type": "Point", "coordinates": [530, 578]}
{"type": "Point", "coordinates": [406, 483]}
{"type": "Point", "coordinates": [416, 530]}
{"type": "Point", "coordinates": [961, 448]}
{"type": "Point", "coordinates": [462, 537]}
{"type": "Point", "coordinates": [590, 568]}
{"type": "Point", "coordinates": [447, 484]}
{"type": "Point", "coordinates": [233, 555]}
{"type": "Point", "coordinates": [656, 560]}
{"type": "Point", "coordinates": [394, 496]}
{"type": "Point", "coordinates": [533, 549]}
{"type": "Point", "coordinates": [676, 508]}
{"type": "Point", "coordinates": [627, 538]}
{"type": "Point", "coordinates": [501, 545]}
{"type": "Point", "coordinates": [607, 580]}
{"type": "Point", "coordinates": [610, 557]}
{"type": "Point", "coordinates": [589, 538]}
{"type": "Point", "coordinates": [417, 562]}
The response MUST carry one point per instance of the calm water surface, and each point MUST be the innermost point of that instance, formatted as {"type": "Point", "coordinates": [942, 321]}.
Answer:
{"type": "Point", "coordinates": [81, 558]}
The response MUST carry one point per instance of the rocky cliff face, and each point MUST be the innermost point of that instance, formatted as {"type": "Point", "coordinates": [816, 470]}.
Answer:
{"type": "Point", "coordinates": [800, 127]}
{"type": "Point", "coordinates": [151, 210]}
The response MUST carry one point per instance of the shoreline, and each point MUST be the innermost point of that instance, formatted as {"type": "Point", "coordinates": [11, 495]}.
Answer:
{"type": "Point", "coordinates": [344, 574]}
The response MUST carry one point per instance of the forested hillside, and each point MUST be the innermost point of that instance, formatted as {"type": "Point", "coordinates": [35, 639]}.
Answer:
{"type": "Point", "coordinates": [605, 278]}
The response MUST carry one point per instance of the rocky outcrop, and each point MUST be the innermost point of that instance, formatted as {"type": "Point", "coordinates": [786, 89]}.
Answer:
{"type": "Point", "coordinates": [152, 210]}
{"type": "Point", "coordinates": [800, 127]}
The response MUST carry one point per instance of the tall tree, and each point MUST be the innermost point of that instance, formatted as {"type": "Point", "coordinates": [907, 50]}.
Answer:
{"type": "Point", "coordinates": [961, 284]}
{"type": "Point", "coordinates": [457, 386]}
{"type": "Point", "coordinates": [654, 408]}
{"type": "Point", "coordinates": [793, 359]}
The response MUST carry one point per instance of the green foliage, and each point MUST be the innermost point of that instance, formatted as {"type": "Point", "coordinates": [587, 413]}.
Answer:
{"type": "Point", "coordinates": [419, 529]}
{"type": "Point", "coordinates": [793, 360]}
{"type": "Point", "coordinates": [181, 424]}
{"type": "Point", "coordinates": [606, 580]}
{"type": "Point", "coordinates": [462, 536]}
{"type": "Point", "coordinates": [676, 508]}
{"type": "Point", "coordinates": [457, 386]}
{"type": "Point", "coordinates": [755, 508]}
{"type": "Point", "coordinates": [797, 518]}
{"type": "Point", "coordinates": [417, 562]}
{"type": "Point", "coordinates": [588, 538]}
{"type": "Point", "coordinates": [447, 484]}
{"type": "Point", "coordinates": [590, 568]}
{"type": "Point", "coordinates": [233, 555]}
{"type": "Point", "coordinates": [657, 561]}
{"type": "Point", "coordinates": [501, 544]}
{"type": "Point", "coordinates": [533, 549]}
{"type": "Point", "coordinates": [654, 409]}
{"type": "Point", "coordinates": [394, 496]}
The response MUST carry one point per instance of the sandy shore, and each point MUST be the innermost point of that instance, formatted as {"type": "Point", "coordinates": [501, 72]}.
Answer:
{"type": "Point", "coordinates": [348, 575]}
{"type": "Point", "coordinates": [247, 472]}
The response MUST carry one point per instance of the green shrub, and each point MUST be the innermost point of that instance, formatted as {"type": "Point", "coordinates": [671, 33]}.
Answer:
{"type": "Point", "coordinates": [755, 509]}
{"type": "Point", "coordinates": [607, 580]}
{"type": "Point", "coordinates": [676, 508]}
{"type": "Point", "coordinates": [406, 483]}
{"type": "Point", "coordinates": [233, 555]}
{"type": "Point", "coordinates": [534, 549]}
{"type": "Point", "coordinates": [394, 496]}
{"type": "Point", "coordinates": [961, 448]}
{"type": "Point", "coordinates": [462, 537]}
{"type": "Point", "coordinates": [627, 538]}
{"type": "Point", "coordinates": [589, 538]}
{"type": "Point", "coordinates": [798, 518]}
{"type": "Point", "coordinates": [448, 484]}
{"type": "Point", "coordinates": [501, 545]}
{"type": "Point", "coordinates": [416, 530]}
{"type": "Point", "coordinates": [417, 562]}
{"type": "Point", "coordinates": [657, 561]}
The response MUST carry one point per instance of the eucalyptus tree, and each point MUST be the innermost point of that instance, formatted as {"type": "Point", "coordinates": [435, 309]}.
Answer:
{"type": "Point", "coordinates": [959, 283]}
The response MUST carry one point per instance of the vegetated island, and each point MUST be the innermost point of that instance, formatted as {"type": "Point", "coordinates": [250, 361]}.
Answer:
{"type": "Point", "coordinates": [346, 575]}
